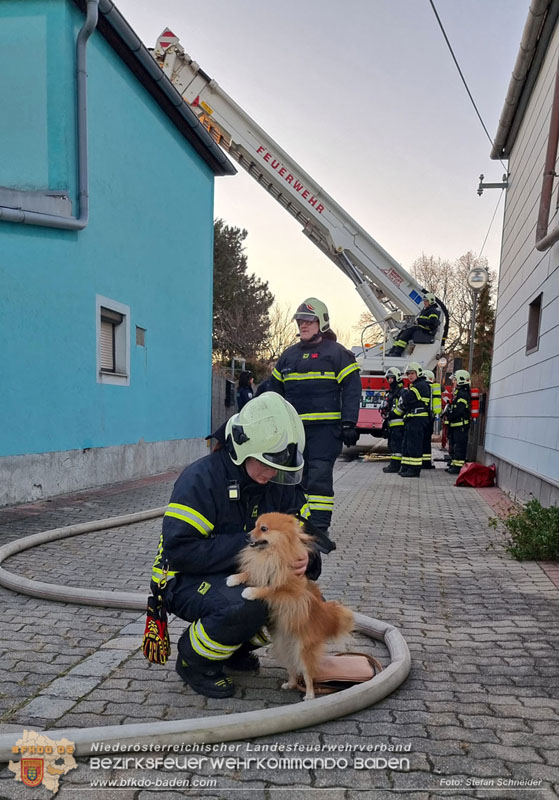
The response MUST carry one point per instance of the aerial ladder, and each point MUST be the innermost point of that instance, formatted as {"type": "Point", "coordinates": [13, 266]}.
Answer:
{"type": "Point", "coordinates": [392, 295]}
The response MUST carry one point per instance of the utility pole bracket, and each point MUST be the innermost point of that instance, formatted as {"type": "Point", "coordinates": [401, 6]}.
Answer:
{"type": "Point", "coordinates": [482, 186]}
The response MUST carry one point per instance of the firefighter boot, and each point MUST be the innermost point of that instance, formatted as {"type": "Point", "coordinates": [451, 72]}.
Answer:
{"type": "Point", "coordinates": [203, 675]}
{"type": "Point", "coordinates": [411, 472]}
{"type": "Point", "coordinates": [243, 660]}
{"type": "Point", "coordinates": [391, 468]}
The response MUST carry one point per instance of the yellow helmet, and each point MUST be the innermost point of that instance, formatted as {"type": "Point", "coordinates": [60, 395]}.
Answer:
{"type": "Point", "coordinates": [462, 377]}
{"type": "Point", "coordinates": [414, 366]}
{"type": "Point", "coordinates": [268, 429]}
{"type": "Point", "coordinates": [313, 308]}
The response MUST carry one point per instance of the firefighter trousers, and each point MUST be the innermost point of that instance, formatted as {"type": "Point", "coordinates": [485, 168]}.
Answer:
{"type": "Point", "coordinates": [322, 447]}
{"type": "Point", "coordinates": [395, 441]}
{"type": "Point", "coordinates": [427, 436]}
{"type": "Point", "coordinates": [221, 619]}
{"type": "Point", "coordinates": [412, 448]}
{"type": "Point", "coordinates": [459, 437]}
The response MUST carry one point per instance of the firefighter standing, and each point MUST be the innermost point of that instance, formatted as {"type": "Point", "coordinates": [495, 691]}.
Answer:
{"type": "Point", "coordinates": [428, 322]}
{"type": "Point", "coordinates": [320, 378]}
{"type": "Point", "coordinates": [215, 501]}
{"type": "Point", "coordinates": [394, 419]}
{"type": "Point", "coordinates": [434, 413]}
{"type": "Point", "coordinates": [414, 403]}
{"type": "Point", "coordinates": [458, 416]}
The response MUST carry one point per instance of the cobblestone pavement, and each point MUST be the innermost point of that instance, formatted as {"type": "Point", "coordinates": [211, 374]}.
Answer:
{"type": "Point", "coordinates": [477, 717]}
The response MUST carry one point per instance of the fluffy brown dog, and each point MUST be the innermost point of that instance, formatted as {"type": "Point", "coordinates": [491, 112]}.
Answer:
{"type": "Point", "coordinates": [301, 621]}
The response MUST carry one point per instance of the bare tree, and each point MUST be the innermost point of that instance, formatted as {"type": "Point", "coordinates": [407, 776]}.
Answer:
{"type": "Point", "coordinates": [282, 332]}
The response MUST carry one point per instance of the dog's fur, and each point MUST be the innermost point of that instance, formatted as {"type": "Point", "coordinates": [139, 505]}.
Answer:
{"type": "Point", "coordinates": [301, 621]}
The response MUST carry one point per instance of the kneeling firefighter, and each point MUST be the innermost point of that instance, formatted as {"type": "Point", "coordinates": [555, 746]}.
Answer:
{"type": "Point", "coordinates": [256, 468]}
{"type": "Point", "coordinates": [394, 419]}
{"type": "Point", "coordinates": [415, 405]}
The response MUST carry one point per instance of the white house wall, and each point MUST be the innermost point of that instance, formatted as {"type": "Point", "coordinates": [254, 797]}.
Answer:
{"type": "Point", "coordinates": [522, 431]}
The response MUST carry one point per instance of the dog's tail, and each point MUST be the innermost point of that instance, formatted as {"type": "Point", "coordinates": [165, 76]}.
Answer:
{"type": "Point", "coordinates": [340, 619]}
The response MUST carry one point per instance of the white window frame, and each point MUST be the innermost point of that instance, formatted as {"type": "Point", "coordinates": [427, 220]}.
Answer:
{"type": "Point", "coordinates": [121, 375]}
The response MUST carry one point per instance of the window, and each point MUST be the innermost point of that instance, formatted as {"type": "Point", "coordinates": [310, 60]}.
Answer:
{"type": "Point", "coordinates": [534, 318]}
{"type": "Point", "coordinates": [113, 348]}
{"type": "Point", "coordinates": [140, 336]}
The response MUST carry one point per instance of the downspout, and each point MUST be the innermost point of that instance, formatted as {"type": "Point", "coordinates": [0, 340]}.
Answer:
{"type": "Point", "coordinates": [545, 240]}
{"type": "Point", "coordinates": [79, 222]}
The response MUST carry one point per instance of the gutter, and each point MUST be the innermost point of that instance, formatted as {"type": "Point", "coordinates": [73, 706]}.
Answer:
{"type": "Point", "coordinates": [533, 39]}
{"type": "Point", "coordinates": [118, 32]}
{"type": "Point", "coordinates": [79, 222]}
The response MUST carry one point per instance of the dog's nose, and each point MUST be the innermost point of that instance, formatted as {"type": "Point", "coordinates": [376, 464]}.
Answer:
{"type": "Point", "coordinates": [248, 538]}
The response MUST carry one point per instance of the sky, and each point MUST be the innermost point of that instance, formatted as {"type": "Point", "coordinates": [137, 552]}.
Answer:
{"type": "Point", "coordinates": [364, 95]}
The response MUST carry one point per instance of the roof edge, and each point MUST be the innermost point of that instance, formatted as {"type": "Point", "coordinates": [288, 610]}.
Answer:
{"type": "Point", "coordinates": [539, 26]}
{"type": "Point", "coordinates": [122, 38]}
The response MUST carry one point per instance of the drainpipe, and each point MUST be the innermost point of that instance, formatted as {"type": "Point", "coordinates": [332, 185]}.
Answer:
{"type": "Point", "coordinates": [79, 222]}
{"type": "Point", "coordinates": [545, 240]}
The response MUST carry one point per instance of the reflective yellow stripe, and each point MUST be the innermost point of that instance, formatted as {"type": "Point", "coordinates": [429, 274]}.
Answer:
{"type": "Point", "coordinates": [191, 516]}
{"type": "Point", "coordinates": [157, 574]}
{"type": "Point", "coordinates": [260, 639]}
{"type": "Point", "coordinates": [462, 400]}
{"type": "Point", "coordinates": [208, 648]}
{"type": "Point", "coordinates": [347, 371]}
{"type": "Point", "coordinates": [421, 414]}
{"type": "Point", "coordinates": [400, 343]}
{"type": "Point", "coordinates": [306, 376]}
{"type": "Point", "coordinates": [398, 411]}
{"type": "Point", "coordinates": [413, 462]}
{"type": "Point", "coordinates": [459, 424]}
{"type": "Point", "coordinates": [305, 511]}
{"type": "Point", "coordinates": [393, 422]}
{"type": "Point", "coordinates": [325, 415]}
{"type": "Point", "coordinates": [277, 375]}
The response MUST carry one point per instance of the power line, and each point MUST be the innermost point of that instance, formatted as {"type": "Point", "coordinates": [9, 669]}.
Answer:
{"type": "Point", "coordinates": [491, 223]}
{"type": "Point", "coordinates": [462, 76]}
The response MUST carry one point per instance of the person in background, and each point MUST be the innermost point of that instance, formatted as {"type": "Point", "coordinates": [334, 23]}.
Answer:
{"type": "Point", "coordinates": [434, 413]}
{"type": "Point", "coordinates": [321, 379]}
{"type": "Point", "coordinates": [458, 415]}
{"type": "Point", "coordinates": [414, 403]}
{"type": "Point", "coordinates": [244, 389]}
{"type": "Point", "coordinates": [255, 468]}
{"type": "Point", "coordinates": [428, 322]}
{"type": "Point", "coordinates": [394, 419]}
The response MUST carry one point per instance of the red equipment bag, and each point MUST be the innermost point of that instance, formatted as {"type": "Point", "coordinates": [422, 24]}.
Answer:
{"type": "Point", "coordinates": [477, 475]}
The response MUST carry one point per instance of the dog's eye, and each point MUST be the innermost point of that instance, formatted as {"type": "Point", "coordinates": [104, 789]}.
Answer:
{"type": "Point", "coordinates": [263, 528]}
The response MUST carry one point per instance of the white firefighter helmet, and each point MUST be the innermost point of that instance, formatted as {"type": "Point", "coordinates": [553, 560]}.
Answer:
{"type": "Point", "coordinates": [268, 429]}
{"type": "Point", "coordinates": [312, 308]}
{"type": "Point", "coordinates": [414, 366]}
{"type": "Point", "coordinates": [393, 372]}
{"type": "Point", "coordinates": [462, 377]}
{"type": "Point", "coordinates": [430, 297]}
{"type": "Point", "coordinates": [429, 374]}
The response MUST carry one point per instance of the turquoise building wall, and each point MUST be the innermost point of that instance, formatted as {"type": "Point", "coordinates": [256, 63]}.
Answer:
{"type": "Point", "coordinates": [148, 245]}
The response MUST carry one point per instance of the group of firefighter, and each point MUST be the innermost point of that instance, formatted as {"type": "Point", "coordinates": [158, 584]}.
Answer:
{"type": "Point", "coordinates": [277, 454]}
{"type": "Point", "coordinates": [410, 414]}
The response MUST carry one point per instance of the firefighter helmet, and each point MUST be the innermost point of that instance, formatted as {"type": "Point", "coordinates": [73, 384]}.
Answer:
{"type": "Point", "coordinates": [269, 430]}
{"type": "Point", "coordinates": [312, 308]}
{"type": "Point", "coordinates": [429, 374]}
{"type": "Point", "coordinates": [462, 377]}
{"type": "Point", "coordinates": [414, 366]}
{"type": "Point", "coordinates": [393, 372]}
{"type": "Point", "coordinates": [430, 297]}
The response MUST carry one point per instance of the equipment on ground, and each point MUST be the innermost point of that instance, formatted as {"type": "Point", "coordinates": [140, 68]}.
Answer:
{"type": "Point", "coordinates": [393, 297]}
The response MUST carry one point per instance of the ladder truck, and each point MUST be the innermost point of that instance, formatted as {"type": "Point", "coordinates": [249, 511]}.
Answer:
{"type": "Point", "coordinates": [393, 297]}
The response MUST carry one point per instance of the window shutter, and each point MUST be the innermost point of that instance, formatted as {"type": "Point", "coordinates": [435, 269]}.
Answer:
{"type": "Point", "coordinates": [107, 346]}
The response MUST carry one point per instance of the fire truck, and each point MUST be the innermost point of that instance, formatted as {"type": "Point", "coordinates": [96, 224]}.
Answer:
{"type": "Point", "coordinates": [393, 297]}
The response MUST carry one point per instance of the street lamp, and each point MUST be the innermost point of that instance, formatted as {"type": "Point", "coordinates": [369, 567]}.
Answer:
{"type": "Point", "coordinates": [477, 280]}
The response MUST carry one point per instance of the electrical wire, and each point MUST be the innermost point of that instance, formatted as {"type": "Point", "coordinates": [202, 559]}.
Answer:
{"type": "Point", "coordinates": [491, 223]}
{"type": "Point", "coordinates": [462, 76]}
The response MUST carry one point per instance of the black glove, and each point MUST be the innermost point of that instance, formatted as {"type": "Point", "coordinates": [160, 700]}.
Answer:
{"type": "Point", "coordinates": [350, 434]}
